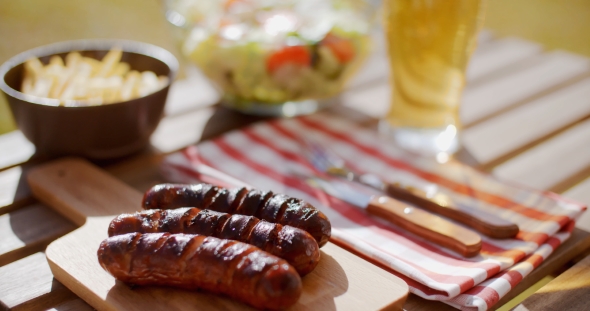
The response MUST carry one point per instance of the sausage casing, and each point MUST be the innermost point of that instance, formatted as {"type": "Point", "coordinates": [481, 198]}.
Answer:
{"type": "Point", "coordinates": [296, 246]}
{"type": "Point", "coordinates": [265, 205]}
{"type": "Point", "coordinates": [232, 268]}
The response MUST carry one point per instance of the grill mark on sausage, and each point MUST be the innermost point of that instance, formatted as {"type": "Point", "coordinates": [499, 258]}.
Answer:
{"type": "Point", "coordinates": [298, 247]}
{"type": "Point", "coordinates": [233, 268]}
{"type": "Point", "coordinates": [264, 205]}
{"type": "Point", "coordinates": [238, 199]}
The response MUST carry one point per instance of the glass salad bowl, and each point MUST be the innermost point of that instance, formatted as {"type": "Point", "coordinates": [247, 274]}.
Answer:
{"type": "Point", "coordinates": [274, 58]}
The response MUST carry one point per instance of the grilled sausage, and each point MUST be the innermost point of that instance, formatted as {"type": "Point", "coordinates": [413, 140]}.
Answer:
{"type": "Point", "coordinates": [265, 205]}
{"type": "Point", "coordinates": [233, 268]}
{"type": "Point", "coordinates": [296, 246]}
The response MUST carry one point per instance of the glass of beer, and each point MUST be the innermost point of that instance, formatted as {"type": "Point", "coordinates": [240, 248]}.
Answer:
{"type": "Point", "coordinates": [430, 43]}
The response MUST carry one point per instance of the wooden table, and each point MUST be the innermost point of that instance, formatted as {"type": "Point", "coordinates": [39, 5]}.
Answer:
{"type": "Point", "coordinates": [526, 114]}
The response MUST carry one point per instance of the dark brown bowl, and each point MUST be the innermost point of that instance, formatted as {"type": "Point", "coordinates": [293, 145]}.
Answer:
{"type": "Point", "coordinates": [95, 132]}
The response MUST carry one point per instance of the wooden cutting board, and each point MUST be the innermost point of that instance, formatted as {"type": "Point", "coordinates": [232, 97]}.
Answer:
{"type": "Point", "coordinates": [91, 198]}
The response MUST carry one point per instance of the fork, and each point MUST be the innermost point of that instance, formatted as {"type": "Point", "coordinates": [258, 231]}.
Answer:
{"type": "Point", "coordinates": [327, 161]}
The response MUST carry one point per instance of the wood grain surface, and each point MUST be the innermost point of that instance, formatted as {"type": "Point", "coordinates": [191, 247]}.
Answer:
{"type": "Point", "coordinates": [28, 284]}
{"type": "Point", "coordinates": [14, 191]}
{"type": "Point", "coordinates": [486, 223]}
{"type": "Point", "coordinates": [569, 291]}
{"type": "Point", "coordinates": [90, 196]}
{"type": "Point", "coordinates": [76, 304]}
{"type": "Point", "coordinates": [521, 125]}
{"type": "Point", "coordinates": [20, 238]}
{"type": "Point", "coordinates": [427, 225]}
{"type": "Point", "coordinates": [581, 193]}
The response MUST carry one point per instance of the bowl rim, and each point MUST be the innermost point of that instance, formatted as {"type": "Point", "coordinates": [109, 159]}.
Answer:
{"type": "Point", "coordinates": [130, 46]}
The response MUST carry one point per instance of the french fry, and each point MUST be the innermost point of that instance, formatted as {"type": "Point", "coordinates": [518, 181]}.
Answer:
{"type": "Point", "coordinates": [33, 68]}
{"type": "Point", "coordinates": [120, 69]}
{"type": "Point", "coordinates": [149, 83]}
{"type": "Point", "coordinates": [112, 89]}
{"type": "Point", "coordinates": [81, 89]}
{"type": "Point", "coordinates": [82, 81]}
{"type": "Point", "coordinates": [130, 85]}
{"type": "Point", "coordinates": [55, 62]}
{"type": "Point", "coordinates": [73, 59]}
{"type": "Point", "coordinates": [59, 73]}
{"type": "Point", "coordinates": [109, 61]}
{"type": "Point", "coordinates": [27, 85]}
{"type": "Point", "coordinates": [68, 93]}
{"type": "Point", "coordinates": [162, 82]}
{"type": "Point", "coordinates": [83, 70]}
{"type": "Point", "coordinates": [42, 86]}
{"type": "Point", "coordinates": [94, 64]}
{"type": "Point", "coordinates": [75, 86]}
{"type": "Point", "coordinates": [57, 86]}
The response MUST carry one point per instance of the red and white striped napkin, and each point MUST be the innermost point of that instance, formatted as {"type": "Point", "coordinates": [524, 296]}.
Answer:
{"type": "Point", "coordinates": [266, 154]}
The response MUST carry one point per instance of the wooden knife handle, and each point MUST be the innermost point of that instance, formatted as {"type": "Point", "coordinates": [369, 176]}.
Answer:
{"type": "Point", "coordinates": [486, 223]}
{"type": "Point", "coordinates": [426, 225]}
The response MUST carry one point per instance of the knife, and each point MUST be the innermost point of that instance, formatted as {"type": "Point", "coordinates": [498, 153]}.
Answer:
{"type": "Point", "coordinates": [440, 203]}
{"type": "Point", "coordinates": [425, 196]}
{"type": "Point", "coordinates": [422, 223]}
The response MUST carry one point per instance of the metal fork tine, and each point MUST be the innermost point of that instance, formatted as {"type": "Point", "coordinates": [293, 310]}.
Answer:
{"type": "Point", "coordinates": [322, 157]}
{"type": "Point", "coordinates": [327, 161]}
{"type": "Point", "coordinates": [313, 156]}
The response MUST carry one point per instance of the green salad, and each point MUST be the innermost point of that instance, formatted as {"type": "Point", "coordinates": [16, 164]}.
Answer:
{"type": "Point", "coordinates": [274, 55]}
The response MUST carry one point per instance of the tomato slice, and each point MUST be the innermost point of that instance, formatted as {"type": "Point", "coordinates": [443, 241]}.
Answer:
{"type": "Point", "coordinates": [298, 55]}
{"type": "Point", "coordinates": [229, 3]}
{"type": "Point", "coordinates": [342, 48]}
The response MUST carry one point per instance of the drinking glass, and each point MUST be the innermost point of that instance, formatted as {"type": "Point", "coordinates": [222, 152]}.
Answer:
{"type": "Point", "coordinates": [429, 44]}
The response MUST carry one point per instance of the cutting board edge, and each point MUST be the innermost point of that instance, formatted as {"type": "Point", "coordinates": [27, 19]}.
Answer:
{"type": "Point", "coordinates": [46, 198]}
{"type": "Point", "coordinates": [60, 265]}
{"type": "Point", "coordinates": [69, 281]}
{"type": "Point", "coordinates": [398, 305]}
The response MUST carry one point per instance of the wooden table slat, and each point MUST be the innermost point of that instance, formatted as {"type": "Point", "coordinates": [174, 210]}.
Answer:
{"type": "Point", "coordinates": [376, 67]}
{"type": "Point", "coordinates": [499, 54]}
{"type": "Point", "coordinates": [14, 149]}
{"type": "Point", "coordinates": [73, 305]}
{"type": "Point", "coordinates": [27, 284]}
{"type": "Point", "coordinates": [14, 191]}
{"type": "Point", "coordinates": [178, 131]}
{"type": "Point", "coordinates": [29, 229]}
{"type": "Point", "coordinates": [192, 92]}
{"type": "Point", "coordinates": [569, 291]}
{"type": "Point", "coordinates": [578, 243]}
{"type": "Point", "coordinates": [545, 71]}
{"type": "Point", "coordinates": [490, 56]}
{"type": "Point", "coordinates": [507, 88]}
{"type": "Point", "coordinates": [551, 163]}
{"type": "Point", "coordinates": [496, 137]}
{"type": "Point", "coordinates": [485, 36]}
{"type": "Point", "coordinates": [372, 101]}
{"type": "Point", "coordinates": [581, 193]}
{"type": "Point", "coordinates": [174, 132]}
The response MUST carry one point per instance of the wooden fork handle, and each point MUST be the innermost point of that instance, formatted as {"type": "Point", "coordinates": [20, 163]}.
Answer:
{"type": "Point", "coordinates": [486, 223]}
{"type": "Point", "coordinates": [427, 225]}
